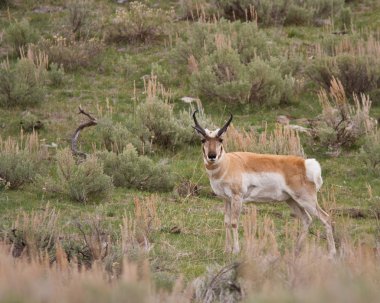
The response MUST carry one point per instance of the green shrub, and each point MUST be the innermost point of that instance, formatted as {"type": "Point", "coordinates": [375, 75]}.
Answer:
{"type": "Point", "coordinates": [30, 122]}
{"type": "Point", "coordinates": [130, 170]}
{"type": "Point", "coordinates": [269, 12]}
{"type": "Point", "coordinates": [5, 3]}
{"type": "Point", "coordinates": [19, 34]}
{"type": "Point", "coordinates": [223, 77]}
{"type": "Point", "coordinates": [19, 162]}
{"type": "Point", "coordinates": [17, 169]}
{"type": "Point", "coordinates": [69, 53]}
{"type": "Point", "coordinates": [164, 128]}
{"type": "Point", "coordinates": [56, 75]}
{"type": "Point", "coordinates": [298, 15]}
{"type": "Point", "coordinates": [82, 181]}
{"type": "Point", "coordinates": [370, 152]}
{"type": "Point", "coordinates": [78, 17]}
{"type": "Point", "coordinates": [267, 85]}
{"type": "Point", "coordinates": [116, 136]}
{"type": "Point", "coordinates": [138, 23]}
{"type": "Point", "coordinates": [201, 39]}
{"type": "Point", "coordinates": [358, 74]}
{"type": "Point", "coordinates": [21, 84]}
{"type": "Point", "coordinates": [345, 18]}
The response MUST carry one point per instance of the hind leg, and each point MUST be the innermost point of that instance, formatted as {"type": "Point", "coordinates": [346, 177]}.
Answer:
{"type": "Point", "coordinates": [325, 219]}
{"type": "Point", "coordinates": [306, 220]}
{"type": "Point", "coordinates": [312, 207]}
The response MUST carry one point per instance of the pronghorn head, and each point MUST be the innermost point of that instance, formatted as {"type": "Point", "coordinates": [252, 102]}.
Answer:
{"type": "Point", "coordinates": [212, 142]}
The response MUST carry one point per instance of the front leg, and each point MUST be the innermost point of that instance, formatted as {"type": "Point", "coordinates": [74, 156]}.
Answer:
{"type": "Point", "coordinates": [227, 225]}
{"type": "Point", "coordinates": [236, 205]}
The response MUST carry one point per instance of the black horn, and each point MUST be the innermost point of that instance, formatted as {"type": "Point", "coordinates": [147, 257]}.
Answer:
{"type": "Point", "coordinates": [224, 128]}
{"type": "Point", "coordinates": [197, 127]}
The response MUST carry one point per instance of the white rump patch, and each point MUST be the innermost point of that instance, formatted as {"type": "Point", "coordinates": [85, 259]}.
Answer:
{"type": "Point", "coordinates": [313, 172]}
{"type": "Point", "coordinates": [212, 134]}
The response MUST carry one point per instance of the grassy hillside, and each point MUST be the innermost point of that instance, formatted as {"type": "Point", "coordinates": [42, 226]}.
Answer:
{"type": "Point", "coordinates": [141, 197]}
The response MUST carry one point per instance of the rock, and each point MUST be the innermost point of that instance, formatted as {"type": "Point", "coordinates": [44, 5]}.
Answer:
{"type": "Point", "coordinates": [189, 99]}
{"type": "Point", "coordinates": [47, 9]}
{"type": "Point", "coordinates": [322, 22]}
{"type": "Point", "coordinates": [282, 119]}
{"type": "Point", "coordinates": [299, 128]}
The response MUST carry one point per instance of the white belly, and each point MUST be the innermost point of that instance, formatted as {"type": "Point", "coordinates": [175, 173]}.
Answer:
{"type": "Point", "coordinates": [255, 187]}
{"type": "Point", "coordinates": [264, 187]}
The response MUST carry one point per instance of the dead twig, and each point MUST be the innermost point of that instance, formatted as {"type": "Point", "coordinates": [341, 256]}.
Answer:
{"type": "Point", "coordinates": [74, 139]}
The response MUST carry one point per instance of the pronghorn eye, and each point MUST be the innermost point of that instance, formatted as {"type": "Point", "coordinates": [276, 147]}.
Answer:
{"type": "Point", "coordinates": [220, 140]}
{"type": "Point", "coordinates": [203, 140]}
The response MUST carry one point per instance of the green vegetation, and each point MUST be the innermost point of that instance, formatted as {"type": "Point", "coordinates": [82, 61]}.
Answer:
{"type": "Point", "coordinates": [138, 210]}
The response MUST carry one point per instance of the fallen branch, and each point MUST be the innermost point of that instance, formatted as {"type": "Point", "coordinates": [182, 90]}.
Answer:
{"type": "Point", "coordinates": [356, 213]}
{"type": "Point", "coordinates": [74, 139]}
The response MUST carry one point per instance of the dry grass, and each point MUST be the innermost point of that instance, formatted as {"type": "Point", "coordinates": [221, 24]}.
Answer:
{"type": "Point", "coordinates": [266, 271]}
{"type": "Point", "coordinates": [282, 140]}
{"type": "Point", "coordinates": [311, 277]}
{"type": "Point", "coordinates": [345, 123]}
{"type": "Point", "coordinates": [36, 281]}
{"type": "Point", "coordinates": [29, 143]}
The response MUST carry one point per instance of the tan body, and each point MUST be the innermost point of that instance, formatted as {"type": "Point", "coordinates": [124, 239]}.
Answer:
{"type": "Point", "coordinates": [247, 177]}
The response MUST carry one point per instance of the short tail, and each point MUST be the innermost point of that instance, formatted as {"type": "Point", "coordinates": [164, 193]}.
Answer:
{"type": "Point", "coordinates": [314, 172]}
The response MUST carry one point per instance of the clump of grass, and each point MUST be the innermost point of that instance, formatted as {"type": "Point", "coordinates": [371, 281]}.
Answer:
{"type": "Point", "coordinates": [95, 244]}
{"type": "Point", "coordinates": [23, 83]}
{"type": "Point", "coordinates": [30, 122]}
{"type": "Point", "coordinates": [34, 234]}
{"type": "Point", "coordinates": [138, 23]}
{"type": "Point", "coordinates": [20, 161]}
{"type": "Point", "coordinates": [137, 231]}
{"type": "Point", "coordinates": [70, 53]}
{"type": "Point", "coordinates": [370, 152]}
{"type": "Point", "coordinates": [128, 169]}
{"type": "Point", "coordinates": [82, 182]}
{"type": "Point", "coordinates": [343, 125]}
{"type": "Point", "coordinates": [56, 75]}
{"type": "Point", "coordinates": [19, 34]}
{"type": "Point", "coordinates": [220, 284]}
{"type": "Point", "coordinates": [281, 141]}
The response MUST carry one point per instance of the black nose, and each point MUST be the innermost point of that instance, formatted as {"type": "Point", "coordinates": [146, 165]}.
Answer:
{"type": "Point", "coordinates": [212, 156]}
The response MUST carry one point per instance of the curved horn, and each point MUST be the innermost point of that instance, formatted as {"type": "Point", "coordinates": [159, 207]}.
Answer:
{"type": "Point", "coordinates": [197, 127]}
{"type": "Point", "coordinates": [224, 128]}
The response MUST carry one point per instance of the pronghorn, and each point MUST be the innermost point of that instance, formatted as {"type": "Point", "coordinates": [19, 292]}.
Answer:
{"type": "Point", "coordinates": [240, 177]}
